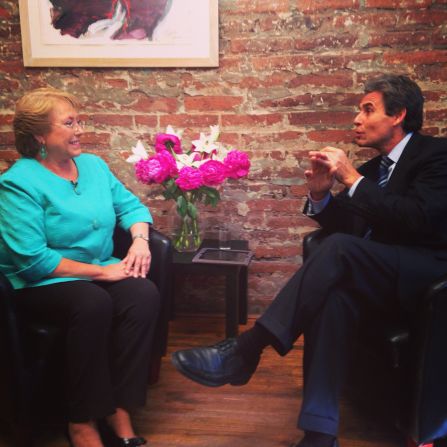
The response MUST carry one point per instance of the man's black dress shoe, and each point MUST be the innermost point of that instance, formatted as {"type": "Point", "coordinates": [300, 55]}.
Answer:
{"type": "Point", "coordinates": [214, 365]}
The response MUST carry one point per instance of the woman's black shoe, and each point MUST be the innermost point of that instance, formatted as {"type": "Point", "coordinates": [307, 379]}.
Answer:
{"type": "Point", "coordinates": [130, 442]}
{"type": "Point", "coordinates": [110, 439]}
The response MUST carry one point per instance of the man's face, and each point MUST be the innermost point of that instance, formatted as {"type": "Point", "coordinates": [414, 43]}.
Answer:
{"type": "Point", "coordinates": [373, 127]}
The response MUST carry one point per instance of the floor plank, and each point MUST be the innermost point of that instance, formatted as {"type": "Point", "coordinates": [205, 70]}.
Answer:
{"type": "Point", "coordinates": [263, 413]}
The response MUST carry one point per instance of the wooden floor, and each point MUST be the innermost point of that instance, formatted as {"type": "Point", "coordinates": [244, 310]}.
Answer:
{"type": "Point", "coordinates": [263, 413]}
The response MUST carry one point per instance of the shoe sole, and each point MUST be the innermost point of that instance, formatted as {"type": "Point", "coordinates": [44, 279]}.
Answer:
{"type": "Point", "coordinates": [190, 375]}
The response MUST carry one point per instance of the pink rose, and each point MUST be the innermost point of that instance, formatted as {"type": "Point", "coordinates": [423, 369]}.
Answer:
{"type": "Point", "coordinates": [150, 171]}
{"type": "Point", "coordinates": [167, 161]}
{"type": "Point", "coordinates": [189, 178]}
{"type": "Point", "coordinates": [237, 164]}
{"type": "Point", "coordinates": [165, 141]}
{"type": "Point", "coordinates": [213, 172]}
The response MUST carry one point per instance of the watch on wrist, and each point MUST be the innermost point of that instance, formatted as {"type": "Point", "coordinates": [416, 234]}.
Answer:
{"type": "Point", "coordinates": [142, 236]}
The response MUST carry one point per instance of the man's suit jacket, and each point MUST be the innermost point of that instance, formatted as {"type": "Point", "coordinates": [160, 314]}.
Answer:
{"type": "Point", "coordinates": [410, 213]}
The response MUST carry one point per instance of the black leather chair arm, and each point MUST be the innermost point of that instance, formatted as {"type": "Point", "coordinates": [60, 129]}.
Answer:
{"type": "Point", "coordinates": [161, 273]}
{"type": "Point", "coordinates": [161, 249]}
{"type": "Point", "coordinates": [311, 240]}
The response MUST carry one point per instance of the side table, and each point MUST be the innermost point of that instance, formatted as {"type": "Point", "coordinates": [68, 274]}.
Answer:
{"type": "Point", "coordinates": [236, 281]}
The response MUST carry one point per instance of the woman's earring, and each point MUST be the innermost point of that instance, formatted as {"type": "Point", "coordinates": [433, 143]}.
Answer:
{"type": "Point", "coordinates": [43, 152]}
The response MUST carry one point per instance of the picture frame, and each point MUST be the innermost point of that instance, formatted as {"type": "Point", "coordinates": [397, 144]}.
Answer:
{"type": "Point", "coordinates": [185, 35]}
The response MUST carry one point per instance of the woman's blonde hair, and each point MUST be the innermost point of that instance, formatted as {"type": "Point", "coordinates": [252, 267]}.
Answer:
{"type": "Point", "coordinates": [32, 117]}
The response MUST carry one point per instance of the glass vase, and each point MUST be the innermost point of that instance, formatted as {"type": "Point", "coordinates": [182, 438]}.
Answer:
{"type": "Point", "coordinates": [187, 237]}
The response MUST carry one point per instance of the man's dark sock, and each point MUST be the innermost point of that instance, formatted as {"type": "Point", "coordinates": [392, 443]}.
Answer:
{"type": "Point", "coordinates": [251, 343]}
{"type": "Point", "coordinates": [316, 439]}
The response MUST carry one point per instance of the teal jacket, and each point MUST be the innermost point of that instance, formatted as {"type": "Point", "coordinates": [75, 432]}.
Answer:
{"type": "Point", "coordinates": [44, 218]}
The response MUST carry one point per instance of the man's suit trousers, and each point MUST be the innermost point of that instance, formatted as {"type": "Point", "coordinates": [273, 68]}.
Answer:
{"type": "Point", "coordinates": [343, 280]}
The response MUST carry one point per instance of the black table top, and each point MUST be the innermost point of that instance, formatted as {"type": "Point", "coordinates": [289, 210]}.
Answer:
{"type": "Point", "coordinates": [186, 257]}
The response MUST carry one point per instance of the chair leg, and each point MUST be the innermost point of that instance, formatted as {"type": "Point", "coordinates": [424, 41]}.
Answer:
{"type": "Point", "coordinates": [154, 370]}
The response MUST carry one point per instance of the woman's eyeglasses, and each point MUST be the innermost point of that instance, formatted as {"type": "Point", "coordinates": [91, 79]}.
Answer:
{"type": "Point", "coordinates": [72, 124]}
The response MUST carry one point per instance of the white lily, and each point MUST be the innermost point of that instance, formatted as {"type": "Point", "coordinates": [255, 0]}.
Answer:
{"type": "Point", "coordinates": [138, 153]}
{"type": "Point", "coordinates": [187, 160]}
{"type": "Point", "coordinates": [170, 130]}
{"type": "Point", "coordinates": [214, 135]}
{"type": "Point", "coordinates": [206, 143]}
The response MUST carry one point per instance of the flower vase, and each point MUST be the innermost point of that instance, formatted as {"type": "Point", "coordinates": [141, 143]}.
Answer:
{"type": "Point", "coordinates": [187, 237]}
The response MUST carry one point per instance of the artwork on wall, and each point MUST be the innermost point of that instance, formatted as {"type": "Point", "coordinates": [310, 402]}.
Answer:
{"type": "Point", "coordinates": [119, 33]}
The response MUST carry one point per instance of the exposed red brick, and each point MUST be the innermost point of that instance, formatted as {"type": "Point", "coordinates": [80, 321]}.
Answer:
{"type": "Point", "coordinates": [393, 39]}
{"type": "Point", "coordinates": [207, 103]}
{"type": "Point", "coordinates": [337, 79]}
{"type": "Point", "coordinates": [257, 6]}
{"type": "Point", "coordinates": [422, 19]}
{"type": "Point", "coordinates": [271, 137]}
{"type": "Point", "coordinates": [436, 115]}
{"type": "Point", "coordinates": [336, 99]}
{"type": "Point", "coordinates": [331, 41]}
{"type": "Point", "coordinates": [232, 63]}
{"type": "Point", "coordinates": [112, 120]}
{"type": "Point", "coordinates": [95, 139]}
{"type": "Point", "coordinates": [373, 19]}
{"type": "Point", "coordinates": [393, 4]}
{"type": "Point", "coordinates": [274, 205]}
{"type": "Point", "coordinates": [11, 66]}
{"type": "Point", "coordinates": [188, 120]}
{"type": "Point", "coordinates": [146, 120]}
{"type": "Point", "coordinates": [6, 119]}
{"type": "Point", "coordinates": [9, 154]}
{"type": "Point", "coordinates": [327, 136]}
{"type": "Point", "coordinates": [4, 13]}
{"type": "Point", "coordinates": [321, 118]}
{"type": "Point", "coordinates": [439, 38]}
{"type": "Point", "coordinates": [436, 73]}
{"type": "Point", "coordinates": [148, 105]}
{"type": "Point", "coordinates": [9, 85]}
{"type": "Point", "coordinates": [275, 79]}
{"type": "Point", "coordinates": [345, 60]}
{"type": "Point", "coordinates": [267, 45]}
{"type": "Point", "coordinates": [281, 62]}
{"type": "Point", "coordinates": [288, 102]}
{"type": "Point", "coordinates": [299, 190]}
{"type": "Point", "coordinates": [319, 5]}
{"type": "Point", "coordinates": [251, 120]}
{"type": "Point", "coordinates": [416, 57]}
{"type": "Point", "coordinates": [117, 83]}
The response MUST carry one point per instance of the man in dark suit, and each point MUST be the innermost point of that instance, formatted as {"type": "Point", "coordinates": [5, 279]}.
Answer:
{"type": "Point", "coordinates": [387, 242]}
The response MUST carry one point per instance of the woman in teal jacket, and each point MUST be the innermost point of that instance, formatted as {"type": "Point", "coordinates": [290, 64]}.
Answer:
{"type": "Point", "coordinates": [58, 210]}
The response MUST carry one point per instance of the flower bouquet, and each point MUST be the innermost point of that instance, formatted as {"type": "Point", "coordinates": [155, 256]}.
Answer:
{"type": "Point", "coordinates": [189, 176]}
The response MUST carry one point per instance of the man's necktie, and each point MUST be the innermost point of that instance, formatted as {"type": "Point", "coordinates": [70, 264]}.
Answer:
{"type": "Point", "coordinates": [384, 172]}
{"type": "Point", "coordinates": [384, 168]}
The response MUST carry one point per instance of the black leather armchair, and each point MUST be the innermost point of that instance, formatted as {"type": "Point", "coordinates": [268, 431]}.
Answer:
{"type": "Point", "coordinates": [403, 362]}
{"type": "Point", "coordinates": [32, 354]}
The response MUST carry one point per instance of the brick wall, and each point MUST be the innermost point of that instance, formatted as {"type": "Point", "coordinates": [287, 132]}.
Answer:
{"type": "Point", "coordinates": [290, 76]}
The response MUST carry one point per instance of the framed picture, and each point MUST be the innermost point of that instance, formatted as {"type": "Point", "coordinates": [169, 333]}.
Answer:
{"type": "Point", "coordinates": [120, 33]}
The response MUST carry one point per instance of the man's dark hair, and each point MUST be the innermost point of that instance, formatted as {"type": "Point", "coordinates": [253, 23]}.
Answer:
{"type": "Point", "coordinates": [400, 92]}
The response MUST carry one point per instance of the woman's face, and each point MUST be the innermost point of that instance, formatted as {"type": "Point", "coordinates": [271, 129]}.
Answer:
{"type": "Point", "coordinates": [62, 141]}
